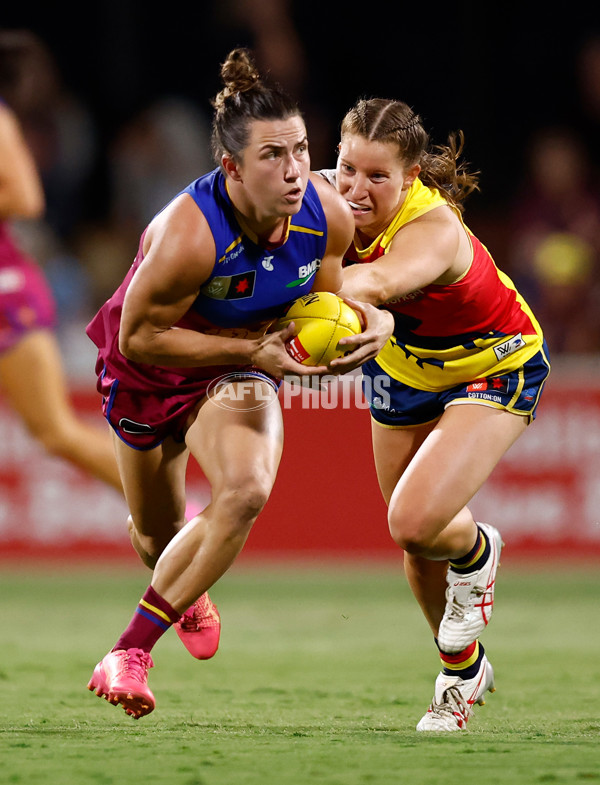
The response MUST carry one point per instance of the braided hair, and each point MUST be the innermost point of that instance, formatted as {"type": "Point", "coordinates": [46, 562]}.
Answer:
{"type": "Point", "coordinates": [384, 120]}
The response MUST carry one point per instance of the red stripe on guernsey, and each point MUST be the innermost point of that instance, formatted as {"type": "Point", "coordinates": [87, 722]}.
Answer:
{"type": "Point", "coordinates": [481, 302]}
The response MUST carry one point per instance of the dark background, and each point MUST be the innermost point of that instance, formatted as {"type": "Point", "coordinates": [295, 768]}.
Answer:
{"type": "Point", "coordinates": [497, 71]}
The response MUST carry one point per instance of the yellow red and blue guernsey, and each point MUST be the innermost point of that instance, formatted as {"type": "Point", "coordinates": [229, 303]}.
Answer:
{"type": "Point", "coordinates": [250, 283]}
{"type": "Point", "coordinates": [444, 335]}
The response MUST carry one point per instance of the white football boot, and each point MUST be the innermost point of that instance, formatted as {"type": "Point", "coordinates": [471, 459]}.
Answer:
{"type": "Point", "coordinates": [454, 698]}
{"type": "Point", "coordinates": [470, 599]}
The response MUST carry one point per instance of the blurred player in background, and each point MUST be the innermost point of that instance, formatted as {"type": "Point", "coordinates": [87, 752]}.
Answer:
{"type": "Point", "coordinates": [466, 365]}
{"type": "Point", "coordinates": [214, 268]}
{"type": "Point", "coordinates": [32, 376]}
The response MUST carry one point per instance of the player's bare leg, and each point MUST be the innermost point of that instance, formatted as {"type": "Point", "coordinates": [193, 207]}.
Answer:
{"type": "Point", "coordinates": [428, 516]}
{"type": "Point", "coordinates": [154, 486]}
{"type": "Point", "coordinates": [239, 450]}
{"type": "Point", "coordinates": [33, 380]}
{"type": "Point", "coordinates": [158, 513]}
{"type": "Point", "coordinates": [426, 464]}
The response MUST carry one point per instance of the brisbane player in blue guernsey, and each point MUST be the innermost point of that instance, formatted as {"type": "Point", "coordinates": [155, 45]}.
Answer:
{"type": "Point", "coordinates": [214, 269]}
{"type": "Point", "coordinates": [466, 366]}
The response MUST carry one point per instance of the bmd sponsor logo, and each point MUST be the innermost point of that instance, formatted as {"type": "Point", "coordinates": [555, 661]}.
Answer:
{"type": "Point", "coordinates": [305, 273]}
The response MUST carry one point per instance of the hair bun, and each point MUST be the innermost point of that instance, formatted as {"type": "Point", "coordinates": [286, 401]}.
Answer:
{"type": "Point", "coordinates": [239, 74]}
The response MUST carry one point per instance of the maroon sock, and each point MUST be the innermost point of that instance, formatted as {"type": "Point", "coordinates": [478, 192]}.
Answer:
{"type": "Point", "coordinates": [152, 618]}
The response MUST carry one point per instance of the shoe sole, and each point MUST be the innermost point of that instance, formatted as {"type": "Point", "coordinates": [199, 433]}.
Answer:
{"type": "Point", "coordinates": [134, 704]}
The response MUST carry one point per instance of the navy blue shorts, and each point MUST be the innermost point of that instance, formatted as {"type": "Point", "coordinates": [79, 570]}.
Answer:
{"type": "Point", "coordinates": [395, 404]}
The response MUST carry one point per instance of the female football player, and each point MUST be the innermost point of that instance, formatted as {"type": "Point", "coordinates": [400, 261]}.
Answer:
{"type": "Point", "coordinates": [465, 368]}
{"type": "Point", "coordinates": [185, 363]}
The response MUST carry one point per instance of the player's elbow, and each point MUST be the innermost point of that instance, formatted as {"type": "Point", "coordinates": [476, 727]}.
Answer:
{"type": "Point", "coordinates": [132, 347]}
{"type": "Point", "coordinates": [384, 287]}
{"type": "Point", "coordinates": [367, 286]}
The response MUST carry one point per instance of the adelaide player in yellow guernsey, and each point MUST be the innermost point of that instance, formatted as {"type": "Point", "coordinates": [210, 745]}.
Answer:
{"type": "Point", "coordinates": [463, 375]}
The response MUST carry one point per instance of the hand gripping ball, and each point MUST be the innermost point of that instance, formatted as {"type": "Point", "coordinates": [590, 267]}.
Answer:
{"type": "Point", "coordinates": [321, 319]}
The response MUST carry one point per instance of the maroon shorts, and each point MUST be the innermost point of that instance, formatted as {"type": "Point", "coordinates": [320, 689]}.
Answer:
{"type": "Point", "coordinates": [26, 302]}
{"type": "Point", "coordinates": [144, 417]}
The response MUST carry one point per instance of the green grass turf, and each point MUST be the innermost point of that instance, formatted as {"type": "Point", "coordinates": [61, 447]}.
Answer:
{"type": "Point", "coordinates": [321, 677]}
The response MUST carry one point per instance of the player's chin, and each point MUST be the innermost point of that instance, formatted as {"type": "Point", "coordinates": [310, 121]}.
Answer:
{"type": "Point", "coordinates": [293, 210]}
{"type": "Point", "coordinates": [363, 221]}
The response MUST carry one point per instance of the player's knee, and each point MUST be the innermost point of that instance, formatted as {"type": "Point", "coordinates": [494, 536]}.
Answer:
{"type": "Point", "coordinates": [249, 501]}
{"type": "Point", "coordinates": [148, 548]}
{"type": "Point", "coordinates": [411, 531]}
{"type": "Point", "coordinates": [245, 502]}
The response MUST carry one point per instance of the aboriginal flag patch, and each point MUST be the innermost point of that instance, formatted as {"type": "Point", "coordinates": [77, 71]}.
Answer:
{"type": "Point", "coordinates": [230, 287]}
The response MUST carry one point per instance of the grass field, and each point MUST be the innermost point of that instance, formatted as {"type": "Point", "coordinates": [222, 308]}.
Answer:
{"type": "Point", "coordinates": [321, 677]}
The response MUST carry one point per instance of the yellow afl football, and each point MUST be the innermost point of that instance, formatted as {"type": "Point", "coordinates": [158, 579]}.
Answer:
{"type": "Point", "coordinates": [321, 319]}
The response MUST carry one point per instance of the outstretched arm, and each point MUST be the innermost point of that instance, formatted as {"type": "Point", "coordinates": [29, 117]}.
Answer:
{"type": "Point", "coordinates": [377, 324]}
{"type": "Point", "coordinates": [423, 252]}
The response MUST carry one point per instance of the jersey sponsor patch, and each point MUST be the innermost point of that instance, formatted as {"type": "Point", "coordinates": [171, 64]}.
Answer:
{"type": "Point", "coordinates": [492, 389]}
{"type": "Point", "coordinates": [508, 347]}
{"type": "Point", "coordinates": [305, 273]}
{"type": "Point", "coordinates": [477, 386]}
{"type": "Point", "coordinates": [230, 287]}
{"type": "Point", "coordinates": [497, 384]}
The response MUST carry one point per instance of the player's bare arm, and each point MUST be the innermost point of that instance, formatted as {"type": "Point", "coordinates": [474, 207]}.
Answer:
{"type": "Point", "coordinates": [426, 251]}
{"type": "Point", "coordinates": [377, 325]}
{"type": "Point", "coordinates": [340, 230]}
{"type": "Point", "coordinates": [180, 254]}
{"type": "Point", "coordinates": [21, 191]}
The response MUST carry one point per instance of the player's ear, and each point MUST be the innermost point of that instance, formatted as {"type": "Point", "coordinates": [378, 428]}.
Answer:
{"type": "Point", "coordinates": [230, 167]}
{"type": "Point", "coordinates": [411, 176]}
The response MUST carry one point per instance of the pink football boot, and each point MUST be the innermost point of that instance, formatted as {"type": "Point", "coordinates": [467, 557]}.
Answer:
{"type": "Point", "coordinates": [200, 628]}
{"type": "Point", "coordinates": [121, 677]}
